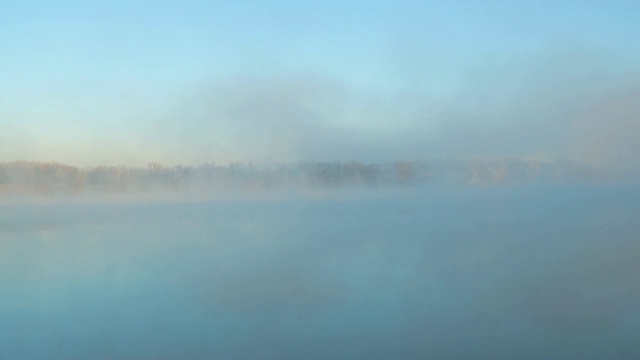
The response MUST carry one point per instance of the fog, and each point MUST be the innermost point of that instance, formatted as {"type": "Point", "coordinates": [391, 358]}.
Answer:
{"type": "Point", "coordinates": [442, 272]}
{"type": "Point", "coordinates": [348, 180]}
{"type": "Point", "coordinates": [557, 104]}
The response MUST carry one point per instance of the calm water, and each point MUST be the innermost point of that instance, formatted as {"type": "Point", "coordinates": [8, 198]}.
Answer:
{"type": "Point", "coordinates": [526, 273]}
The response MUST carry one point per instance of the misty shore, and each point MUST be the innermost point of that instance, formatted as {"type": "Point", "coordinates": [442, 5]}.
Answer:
{"type": "Point", "coordinates": [29, 178]}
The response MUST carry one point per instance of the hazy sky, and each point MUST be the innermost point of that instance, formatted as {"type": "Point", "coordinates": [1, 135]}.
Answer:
{"type": "Point", "coordinates": [127, 82]}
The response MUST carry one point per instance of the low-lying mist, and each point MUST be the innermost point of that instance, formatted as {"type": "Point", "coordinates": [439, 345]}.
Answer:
{"type": "Point", "coordinates": [319, 180]}
{"type": "Point", "coordinates": [544, 271]}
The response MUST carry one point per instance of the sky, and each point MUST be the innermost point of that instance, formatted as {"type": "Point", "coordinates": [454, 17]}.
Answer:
{"type": "Point", "coordinates": [188, 82]}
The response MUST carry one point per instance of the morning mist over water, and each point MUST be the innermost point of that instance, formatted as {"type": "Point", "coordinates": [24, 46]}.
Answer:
{"type": "Point", "coordinates": [335, 180]}
{"type": "Point", "coordinates": [457, 272]}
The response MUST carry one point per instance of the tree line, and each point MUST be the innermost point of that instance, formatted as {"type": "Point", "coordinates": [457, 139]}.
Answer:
{"type": "Point", "coordinates": [19, 177]}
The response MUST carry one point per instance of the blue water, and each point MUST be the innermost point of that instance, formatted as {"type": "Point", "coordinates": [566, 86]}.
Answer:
{"type": "Point", "coordinates": [477, 273]}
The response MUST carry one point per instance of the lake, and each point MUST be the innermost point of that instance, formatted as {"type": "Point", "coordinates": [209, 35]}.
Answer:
{"type": "Point", "coordinates": [529, 272]}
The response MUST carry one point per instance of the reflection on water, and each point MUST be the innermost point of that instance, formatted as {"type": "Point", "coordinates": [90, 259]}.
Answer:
{"type": "Point", "coordinates": [545, 273]}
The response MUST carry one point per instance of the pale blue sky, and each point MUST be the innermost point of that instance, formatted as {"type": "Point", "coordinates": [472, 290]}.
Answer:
{"type": "Point", "coordinates": [132, 81]}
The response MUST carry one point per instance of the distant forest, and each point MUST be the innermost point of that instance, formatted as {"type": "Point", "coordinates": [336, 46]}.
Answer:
{"type": "Point", "coordinates": [29, 177]}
